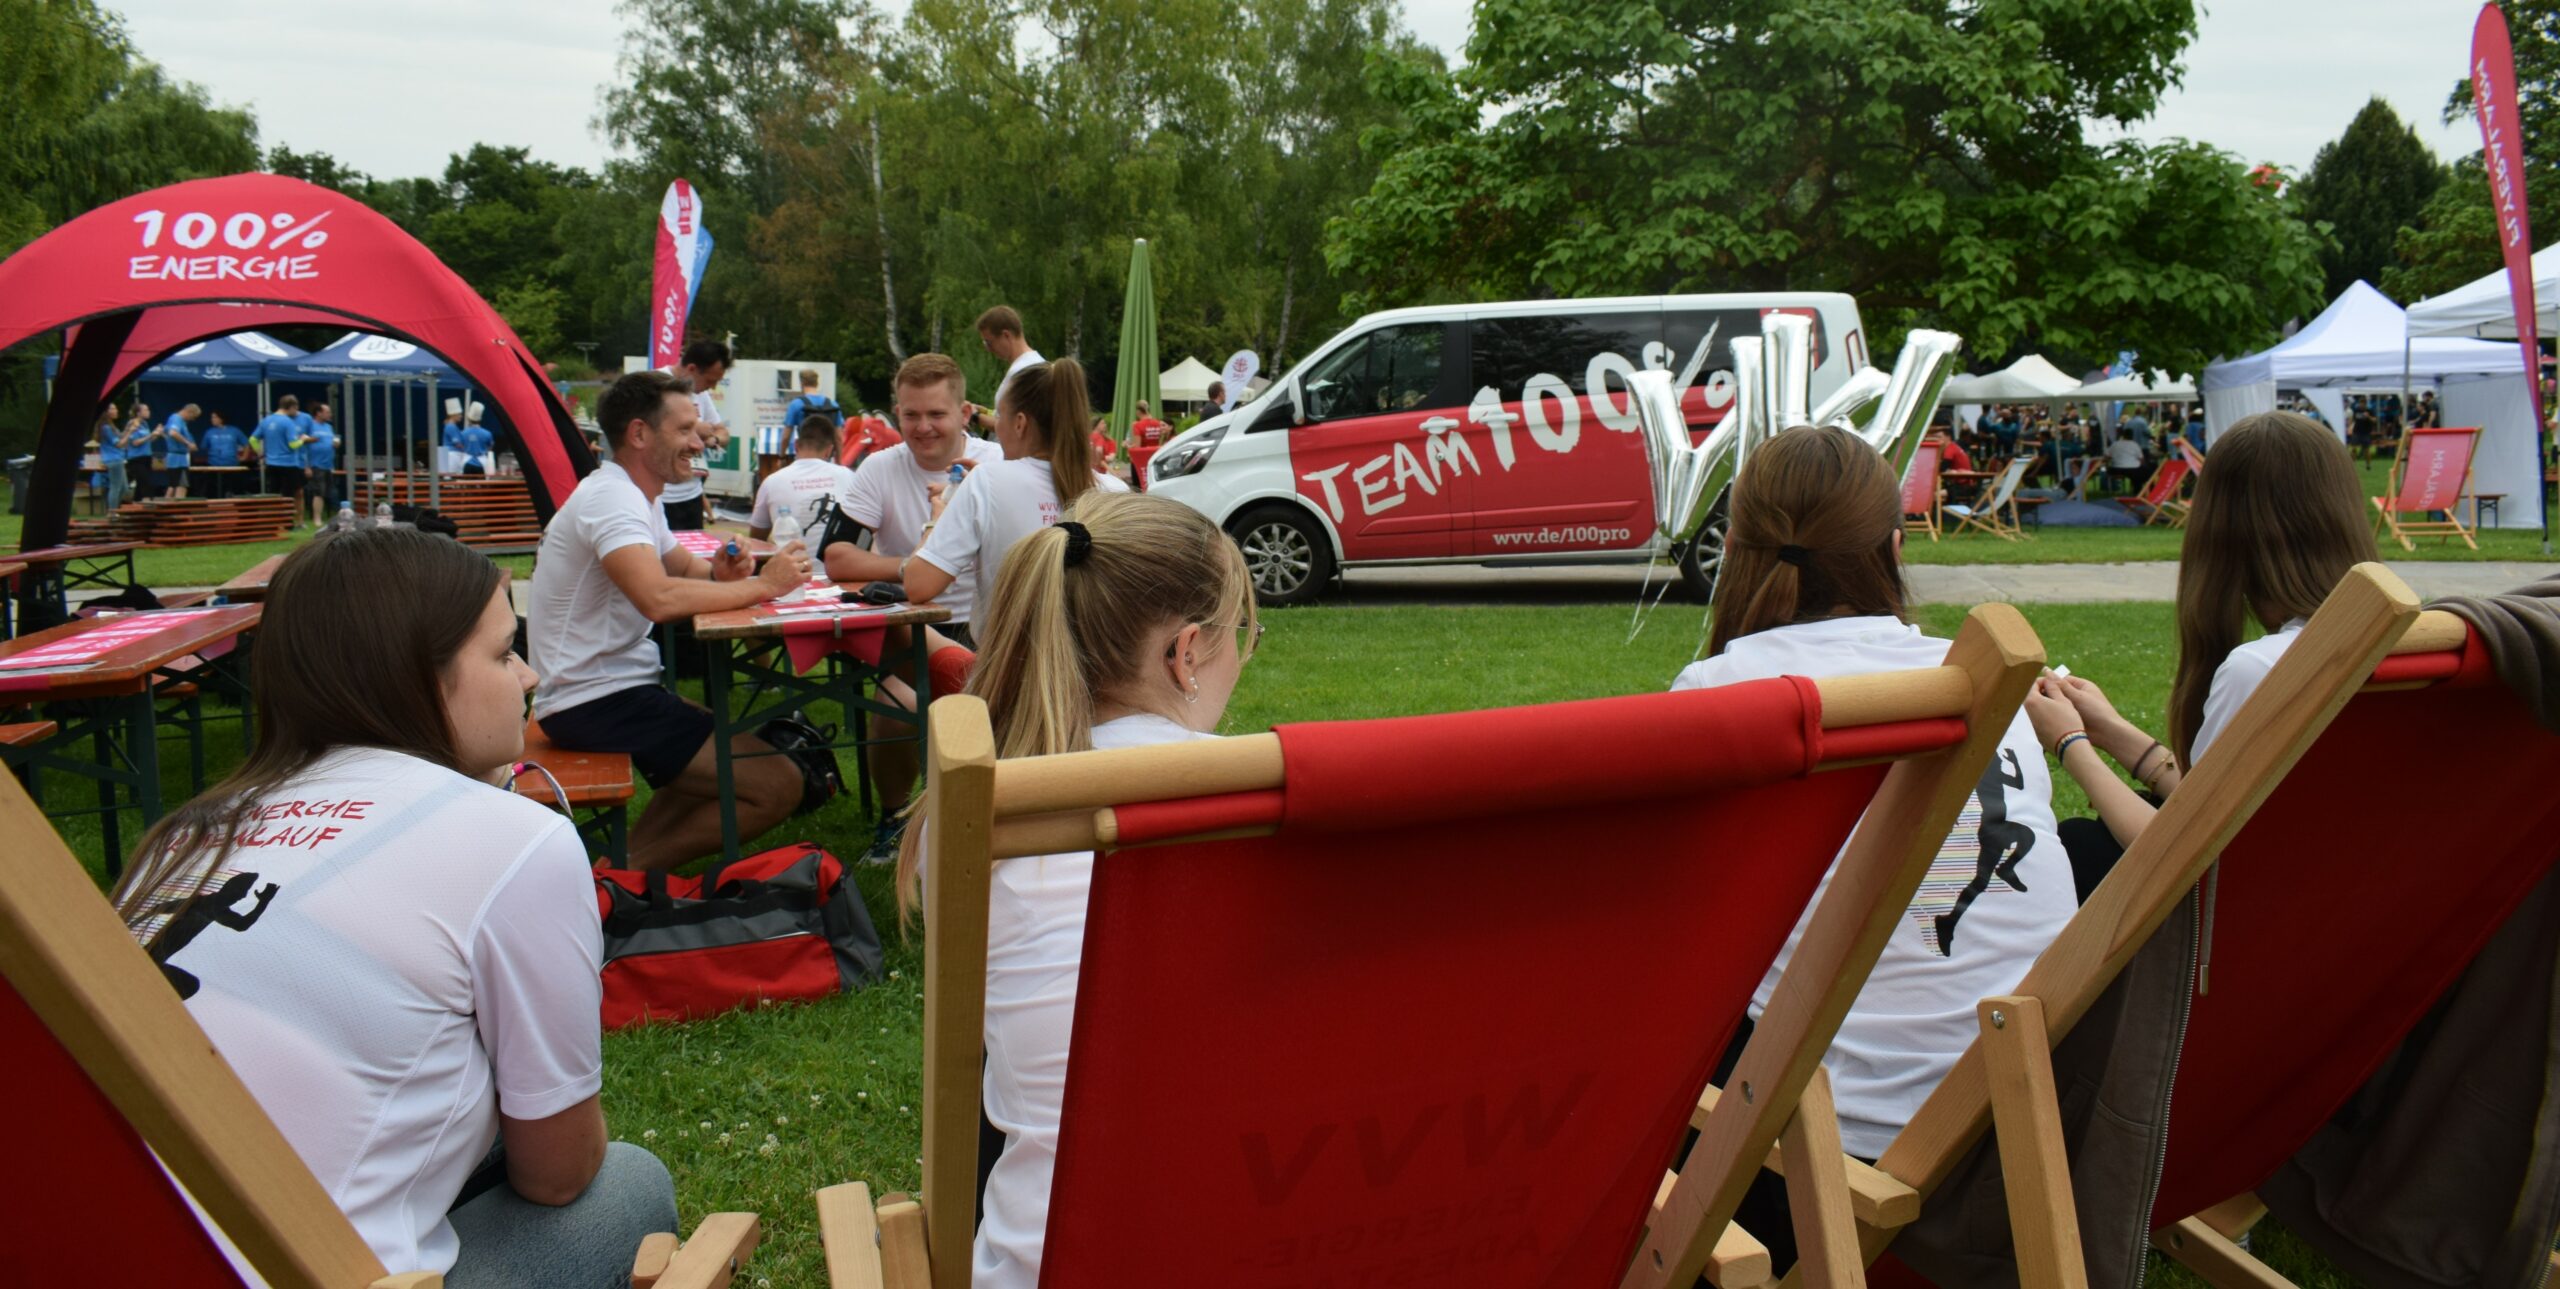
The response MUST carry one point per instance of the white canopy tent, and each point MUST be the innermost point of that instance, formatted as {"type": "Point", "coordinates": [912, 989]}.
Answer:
{"type": "Point", "coordinates": [2362, 341]}
{"type": "Point", "coordinates": [2029, 380]}
{"type": "Point", "coordinates": [2157, 387]}
{"type": "Point", "coordinates": [1185, 382]}
{"type": "Point", "coordinates": [2481, 309]}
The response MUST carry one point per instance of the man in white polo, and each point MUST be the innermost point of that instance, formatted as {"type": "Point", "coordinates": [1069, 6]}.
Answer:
{"type": "Point", "coordinates": [703, 364]}
{"type": "Point", "coordinates": [608, 571]}
{"type": "Point", "coordinates": [892, 495]}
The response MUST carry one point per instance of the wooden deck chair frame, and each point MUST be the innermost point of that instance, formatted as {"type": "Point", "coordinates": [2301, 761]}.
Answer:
{"type": "Point", "coordinates": [2007, 1074]}
{"type": "Point", "coordinates": [2392, 518]}
{"type": "Point", "coordinates": [1997, 513]}
{"type": "Point", "coordinates": [69, 957]}
{"type": "Point", "coordinates": [980, 810]}
{"type": "Point", "coordinates": [1924, 465]}
{"type": "Point", "coordinates": [2162, 496]}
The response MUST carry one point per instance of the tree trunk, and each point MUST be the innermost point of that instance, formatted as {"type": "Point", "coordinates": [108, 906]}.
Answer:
{"type": "Point", "coordinates": [1288, 295]}
{"type": "Point", "coordinates": [1075, 327]}
{"type": "Point", "coordinates": [937, 331]}
{"type": "Point", "coordinates": [880, 214]}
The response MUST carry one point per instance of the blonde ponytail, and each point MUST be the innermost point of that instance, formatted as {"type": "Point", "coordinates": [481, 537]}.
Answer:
{"type": "Point", "coordinates": [1060, 634]}
{"type": "Point", "coordinates": [1052, 394]}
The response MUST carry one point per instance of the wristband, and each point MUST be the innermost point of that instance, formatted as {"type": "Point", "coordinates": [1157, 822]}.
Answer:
{"type": "Point", "coordinates": [2146, 756]}
{"type": "Point", "coordinates": [2063, 744]}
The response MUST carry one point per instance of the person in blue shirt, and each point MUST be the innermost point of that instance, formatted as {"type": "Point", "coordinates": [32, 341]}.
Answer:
{"type": "Point", "coordinates": [451, 435]}
{"type": "Point", "coordinates": [475, 449]}
{"type": "Point", "coordinates": [319, 459]}
{"type": "Point", "coordinates": [108, 483]}
{"type": "Point", "coordinates": [138, 442]}
{"type": "Point", "coordinates": [810, 400]}
{"type": "Point", "coordinates": [279, 434]}
{"type": "Point", "coordinates": [220, 446]}
{"type": "Point", "coordinates": [178, 447]}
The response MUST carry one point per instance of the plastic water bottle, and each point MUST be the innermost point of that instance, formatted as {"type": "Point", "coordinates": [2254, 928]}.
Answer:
{"type": "Point", "coordinates": [346, 521]}
{"type": "Point", "coordinates": [382, 514]}
{"type": "Point", "coordinates": [786, 527]}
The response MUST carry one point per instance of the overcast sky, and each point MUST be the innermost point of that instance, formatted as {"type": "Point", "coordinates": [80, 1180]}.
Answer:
{"type": "Point", "coordinates": [409, 82]}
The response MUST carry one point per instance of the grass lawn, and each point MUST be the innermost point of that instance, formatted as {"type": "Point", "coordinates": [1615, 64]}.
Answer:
{"type": "Point", "coordinates": [757, 1110]}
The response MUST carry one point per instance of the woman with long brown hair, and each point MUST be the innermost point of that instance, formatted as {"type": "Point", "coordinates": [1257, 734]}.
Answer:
{"type": "Point", "coordinates": [1812, 586]}
{"type": "Point", "coordinates": [1048, 463]}
{"type": "Point", "coordinates": [1127, 624]}
{"type": "Point", "coordinates": [398, 957]}
{"type": "Point", "coordinates": [2279, 518]}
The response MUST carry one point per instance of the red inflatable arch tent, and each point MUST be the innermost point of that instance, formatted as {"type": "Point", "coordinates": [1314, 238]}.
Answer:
{"type": "Point", "coordinates": [139, 279]}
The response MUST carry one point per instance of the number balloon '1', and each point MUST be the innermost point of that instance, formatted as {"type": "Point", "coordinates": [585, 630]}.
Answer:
{"type": "Point", "coordinates": [1773, 393]}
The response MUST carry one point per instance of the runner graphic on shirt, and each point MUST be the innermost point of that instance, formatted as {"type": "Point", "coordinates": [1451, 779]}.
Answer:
{"type": "Point", "coordinates": [1986, 843]}
{"type": "Point", "coordinates": [214, 908]}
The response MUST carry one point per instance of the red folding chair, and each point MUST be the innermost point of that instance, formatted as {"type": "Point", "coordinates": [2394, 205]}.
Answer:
{"type": "Point", "coordinates": [2159, 499]}
{"type": "Point", "coordinates": [115, 1079]}
{"type": "Point", "coordinates": [1349, 1013]}
{"type": "Point", "coordinates": [2430, 477]}
{"type": "Point", "coordinates": [1921, 493]}
{"type": "Point", "coordinates": [2319, 953]}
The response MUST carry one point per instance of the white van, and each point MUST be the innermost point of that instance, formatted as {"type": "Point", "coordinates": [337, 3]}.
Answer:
{"type": "Point", "coordinates": [1476, 434]}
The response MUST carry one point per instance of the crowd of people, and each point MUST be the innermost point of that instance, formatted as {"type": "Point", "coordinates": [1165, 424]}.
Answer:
{"type": "Point", "coordinates": [291, 452]}
{"type": "Point", "coordinates": [413, 995]}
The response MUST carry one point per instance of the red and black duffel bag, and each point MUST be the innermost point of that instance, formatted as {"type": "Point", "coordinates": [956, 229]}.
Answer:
{"type": "Point", "coordinates": [783, 925]}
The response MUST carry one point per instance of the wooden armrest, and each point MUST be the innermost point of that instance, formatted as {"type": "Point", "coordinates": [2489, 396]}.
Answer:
{"type": "Point", "coordinates": [656, 1251]}
{"type": "Point", "coordinates": [1738, 1261]}
{"type": "Point", "coordinates": [1878, 1200]}
{"type": "Point", "coordinates": [849, 1234]}
{"type": "Point", "coordinates": [711, 1259]}
{"type": "Point", "coordinates": [904, 1264]}
{"type": "Point", "coordinates": [409, 1280]}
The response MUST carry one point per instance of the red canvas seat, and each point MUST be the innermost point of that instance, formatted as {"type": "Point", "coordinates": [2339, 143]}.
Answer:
{"type": "Point", "coordinates": [1430, 1000]}
{"type": "Point", "coordinates": [2159, 498]}
{"type": "Point", "coordinates": [115, 1078]}
{"type": "Point", "coordinates": [1920, 492]}
{"type": "Point", "coordinates": [2430, 477]}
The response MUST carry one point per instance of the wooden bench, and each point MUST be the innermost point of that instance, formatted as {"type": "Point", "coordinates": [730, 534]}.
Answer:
{"type": "Point", "coordinates": [17, 741]}
{"type": "Point", "coordinates": [194, 521]}
{"type": "Point", "coordinates": [489, 511]}
{"type": "Point", "coordinates": [599, 784]}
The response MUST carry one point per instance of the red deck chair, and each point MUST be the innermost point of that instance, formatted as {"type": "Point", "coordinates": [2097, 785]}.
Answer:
{"type": "Point", "coordinates": [1921, 493]}
{"type": "Point", "coordinates": [2285, 1025]}
{"type": "Point", "coordinates": [2159, 499]}
{"type": "Point", "coordinates": [2431, 476]}
{"type": "Point", "coordinates": [110, 1071]}
{"type": "Point", "coordinates": [1349, 1013]}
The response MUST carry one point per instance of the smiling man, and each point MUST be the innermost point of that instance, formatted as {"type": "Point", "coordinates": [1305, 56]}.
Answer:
{"type": "Point", "coordinates": [608, 571]}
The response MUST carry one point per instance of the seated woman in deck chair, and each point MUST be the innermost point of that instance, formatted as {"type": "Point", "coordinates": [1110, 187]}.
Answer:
{"type": "Point", "coordinates": [399, 958]}
{"type": "Point", "coordinates": [1813, 587]}
{"type": "Point", "coordinates": [2277, 521]}
{"type": "Point", "coordinates": [1125, 625]}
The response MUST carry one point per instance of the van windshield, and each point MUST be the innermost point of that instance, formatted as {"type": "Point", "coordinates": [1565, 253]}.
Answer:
{"type": "Point", "coordinates": [1392, 369]}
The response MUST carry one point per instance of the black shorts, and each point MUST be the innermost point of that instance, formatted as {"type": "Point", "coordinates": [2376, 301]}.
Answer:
{"type": "Point", "coordinates": [657, 730]}
{"type": "Point", "coordinates": [284, 480]}
{"type": "Point", "coordinates": [683, 516]}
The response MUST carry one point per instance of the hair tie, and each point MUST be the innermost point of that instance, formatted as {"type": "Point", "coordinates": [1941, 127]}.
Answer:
{"type": "Point", "coordinates": [1079, 541]}
{"type": "Point", "coordinates": [1796, 555]}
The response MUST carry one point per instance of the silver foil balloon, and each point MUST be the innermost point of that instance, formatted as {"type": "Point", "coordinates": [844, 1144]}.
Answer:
{"type": "Point", "coordinates": [1679, 470]}
{"type": "Point", "coordinates": [1850, 405]}
{"type": "Point", "coordinates": [1786, 385]}
{"type": "Point", "coordinates": [1910, 398]}
{"type": "Point", "coordinates": [1749, 414]}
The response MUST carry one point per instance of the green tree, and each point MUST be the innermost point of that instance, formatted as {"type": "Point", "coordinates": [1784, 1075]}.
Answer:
{"type": "Point", "coordinates": [2454, 239]}
{"type": "Point", "coordinates": [1926, 156]}
{"type": "Point", "coordinates": [2367, 185]}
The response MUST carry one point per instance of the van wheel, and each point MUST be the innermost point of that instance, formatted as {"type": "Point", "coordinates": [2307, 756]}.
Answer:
{"type": "Point", "coordinates": [1702, 559]}
{"type": "Point", "coordinates": [1286, 553]}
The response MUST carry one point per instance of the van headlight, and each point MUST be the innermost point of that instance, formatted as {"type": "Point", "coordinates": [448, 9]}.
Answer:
{"type": "Point", "coordinates": [1186, 457]}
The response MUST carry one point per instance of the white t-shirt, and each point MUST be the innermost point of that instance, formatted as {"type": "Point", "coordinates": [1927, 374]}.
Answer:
{"type": "Point", "coordinates": [888, 497]}
{"type": "Point", "coordinates": [1973, 926]}
{"type": "Point", "coordinates": [709, 412]}
{"type": "Point", "coordinates": [588, 638]}
{"type": "Point", "coordinates": [2125, 454]}
{"type": "Point", "coordinates": [999, 504]}
{"type": "Point", "coordinates": [2242, 671]}
{"type": "Point", "coordinates": [1035, 947]}
{"type": "Point", "coordinates": [796, 488]}
{"type": "Point", "coordinates": [414, 952]}
{"type": "Point", "coordinates": [1030, 358]}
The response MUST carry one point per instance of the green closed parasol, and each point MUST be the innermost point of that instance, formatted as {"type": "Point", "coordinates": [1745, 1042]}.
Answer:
{"type": "Point", "coordinates": [1138, 375]}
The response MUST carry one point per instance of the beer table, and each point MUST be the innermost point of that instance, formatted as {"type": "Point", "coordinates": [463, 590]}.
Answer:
{"type": "Point", "coordinates": [51, 570]}
{"type": "Point", "coordinates": [741, 648]}
{"type": "Point", "coordinates": [111, 665]}
{"type": "Point", "coordinates": [249, 585]}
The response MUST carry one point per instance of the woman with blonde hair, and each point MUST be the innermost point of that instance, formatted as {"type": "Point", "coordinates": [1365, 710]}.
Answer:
{"type": "Point", "coordinates": [1048, 462]}
{"type": "Point", "coordinates": [1126, 624]}
{"type": "Point", "coordinates": [1812, 586]}
{"type": "Point", "coordinates": [2278, 519]}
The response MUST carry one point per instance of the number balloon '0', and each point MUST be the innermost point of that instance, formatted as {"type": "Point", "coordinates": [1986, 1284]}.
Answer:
{"type": "Point", "coordinates": [1919, 376]}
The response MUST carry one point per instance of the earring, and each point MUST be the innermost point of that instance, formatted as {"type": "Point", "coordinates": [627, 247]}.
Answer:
{"type": "Point", "coordinates": [1194, 695]}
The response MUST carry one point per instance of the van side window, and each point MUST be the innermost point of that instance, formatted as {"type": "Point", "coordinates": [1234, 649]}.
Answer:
{"type": "Point", "coordinates": [1508, 352]}
{"type": "Point", "coordinates": [1392, 369]}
